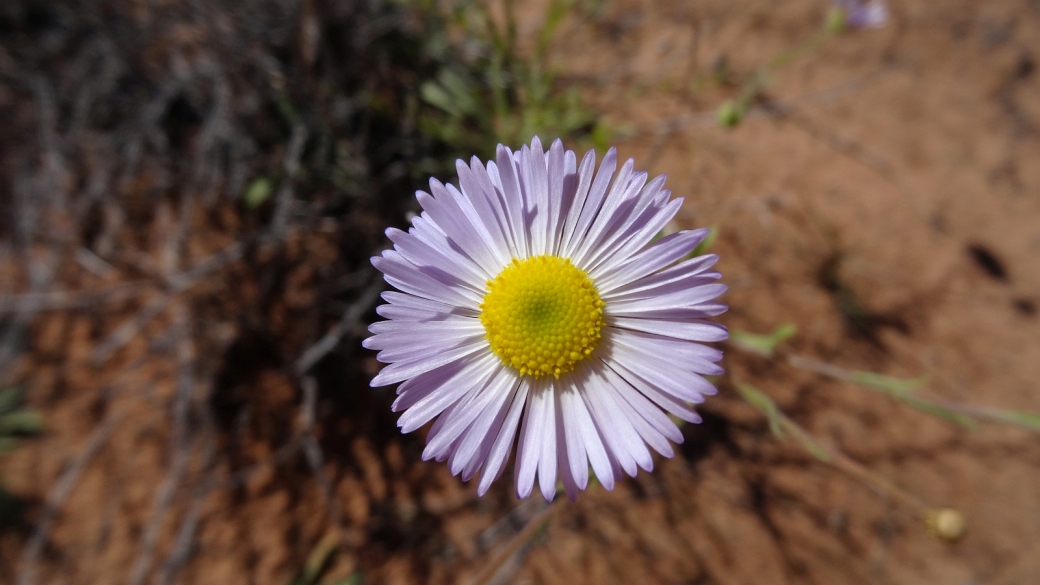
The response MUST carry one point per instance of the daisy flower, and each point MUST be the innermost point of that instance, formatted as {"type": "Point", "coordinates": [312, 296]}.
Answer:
{"type": "Point", "coordinates": [536, 307]}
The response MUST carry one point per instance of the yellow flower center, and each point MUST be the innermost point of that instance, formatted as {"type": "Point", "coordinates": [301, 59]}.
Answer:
{"type": "Point", "coordinates": [542, 315]}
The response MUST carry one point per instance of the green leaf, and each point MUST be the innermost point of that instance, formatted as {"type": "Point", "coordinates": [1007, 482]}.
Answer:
{"type": "Point", "coordinates": [1026, 419]}
{"type": "Point", "coordinates": [318, 560]}
{"type": "Point", "coordinates": [258, 191]}
{"type": "Point", "coordinates": [936, 410]}
{"type": "Point", "coordinates": [763, 345]}
{"type": "Point", "coordinates": [779, 424]}
{"type": "Point", "coordinates": [808, 442]}
{"type": "Point", "coordinates": [435, 95]}
{"type": "Point", "coordinates": [902, 390]}
{"type": "Point", "coordinates": [21, 422]}
{"type": "Point", "coordinates": [729, 114]}
{"type": "Point", "coordinates": [702, 248]}
{"type": "Point", "coordinates": [888, 383]}
{"type": "Point", "coordinates": [764, 403]}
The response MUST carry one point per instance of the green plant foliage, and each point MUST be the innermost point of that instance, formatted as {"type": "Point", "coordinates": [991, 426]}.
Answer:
{"type": "Point", "coordinates": [1027, 420]}
{"type": "Point", "coordinates": [764, 345]}
{"type": "Point", "coordinates": [499, 96]}
{"type": "Point", "coordinates": [317, 561]}
{"type": "Point", "coordinates": [16, 422]}
{"type": "Point", "coordinates": [902, 390]}
{"type": "Point", "coordinates": [779, 424]}
{"type": "Point", "coordinates": [258, 191]}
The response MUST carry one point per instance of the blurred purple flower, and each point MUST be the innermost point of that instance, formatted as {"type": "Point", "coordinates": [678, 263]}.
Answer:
{"type": "Point", "coordinates": [863, 13]}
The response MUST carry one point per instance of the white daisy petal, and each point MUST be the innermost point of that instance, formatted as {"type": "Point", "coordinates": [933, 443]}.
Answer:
{"type": "Point", "coordinates": [479, 439]}
{"type": "Point", "coordinates": [425, 403]}
{"type": "Point", "coordinates": [406, 277]}
{"type": "Point", "coordinates": [660, 254]}
{"type": "Point", "coordinates": [430, 254]}
{"type": "Point", "coordinates": [514, 198]}
{"type": "Point", "coordinates": [573, 463]}
{"type": "Point", "coordinates": [690, 330]}
{"type": "Point", "coordinates": [503, 444]}
{"type": "Point", "coordinates": [465, 413]}
{"type": "Point", "coordinates": [581, 193]}
{"type": "Point", "coordinates": [555, 162]}
{"type": "Point", "coordinates": [676, 406]}
{"type": "Point", "coordinates": [593, 201]}
{"type": "Point", "coordinates": [691, 268]}
{"type": "Point", "coordinates": [536, 426]}
{"type": "Point", "coordinates": [548, 459]}
{"type": "Point", "coordinates": [633, 222]}
{"type": "Point", "coordinates": [401, 371]}
{"type": "Point", "coordinates": [534, 307]}
{"type": "Point", "coordinates": [533, 172]}
{"type": "Point", "coordinates": [635, 239]}
{"type": "Point", "coordinates": [626, 186]}
{"type": "Point", "coordinates": [477, 188]}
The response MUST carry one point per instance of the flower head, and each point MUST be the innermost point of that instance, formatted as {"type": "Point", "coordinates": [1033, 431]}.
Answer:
{"type": "Point", "coordinates": [860, 14]}
{"type": "Point", "coordinates": [535, 307]}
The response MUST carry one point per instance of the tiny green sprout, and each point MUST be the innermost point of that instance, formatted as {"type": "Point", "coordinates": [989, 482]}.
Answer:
{"type": "Point", "coordinates": [764, 345]}
{"type": "Point", "coordinates": [729, 114]}
{"type": "Point", "coordinates": [945, 524]}
{"type": "Point", "coordinates": [258, 191]}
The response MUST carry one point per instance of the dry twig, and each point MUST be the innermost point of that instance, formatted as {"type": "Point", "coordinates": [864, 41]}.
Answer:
{"type": "Point", "coordinates": [57, 497]}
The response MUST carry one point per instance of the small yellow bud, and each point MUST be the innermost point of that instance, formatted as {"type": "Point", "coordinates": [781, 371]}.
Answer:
{"type": "Point", "coordinates": [945, 524]}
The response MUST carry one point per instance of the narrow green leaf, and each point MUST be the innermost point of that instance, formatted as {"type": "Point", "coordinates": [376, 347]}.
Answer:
{"type": "Point", "coordinates": [888, 383]}
{"type": "Point", "coordinates": [808, 442]}
{"type": "Point", "coordinates": [435, 95]}
{"type": "Point", "coordinates": [763, 345]}
{"type": "Point", "coordinates": [1027, 420]}
{"type": "Point", "coordinates": [936, 410]}
{"type": "Point", "coordinates": [258, 191]}
{"type": "Point", "coordinates": [318, 560]}
{"type": "Point", "coordinates": [21, 422]}
{"type": "Point", "coordinates": [764, 403]}
{"type": "Point", "coordinates": [753, 342]}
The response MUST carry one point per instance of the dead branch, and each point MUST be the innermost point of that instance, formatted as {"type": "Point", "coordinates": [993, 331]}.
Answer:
{"type": "Point", "coordinates": [181, 441]}
{"type": "Point", "coordinates": [68, 300]}
{"type": "Point", "coordinates": [57, 497]}
{"type": "Point", "coordinates": [291, 165]}
{"type": "Point", "coordinates": [350, 318]}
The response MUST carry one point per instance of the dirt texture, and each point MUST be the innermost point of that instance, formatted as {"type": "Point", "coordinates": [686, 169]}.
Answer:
{"type": "Point", "coordinates": [881, 194]}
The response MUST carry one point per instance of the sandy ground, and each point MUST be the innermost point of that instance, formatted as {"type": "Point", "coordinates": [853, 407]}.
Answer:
{"type": "Point", "coordinates": [882, 196]}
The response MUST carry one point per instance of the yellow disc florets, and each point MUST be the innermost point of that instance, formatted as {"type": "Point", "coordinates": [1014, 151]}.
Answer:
{"type": "Point", "coordinates": [542, 315]}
